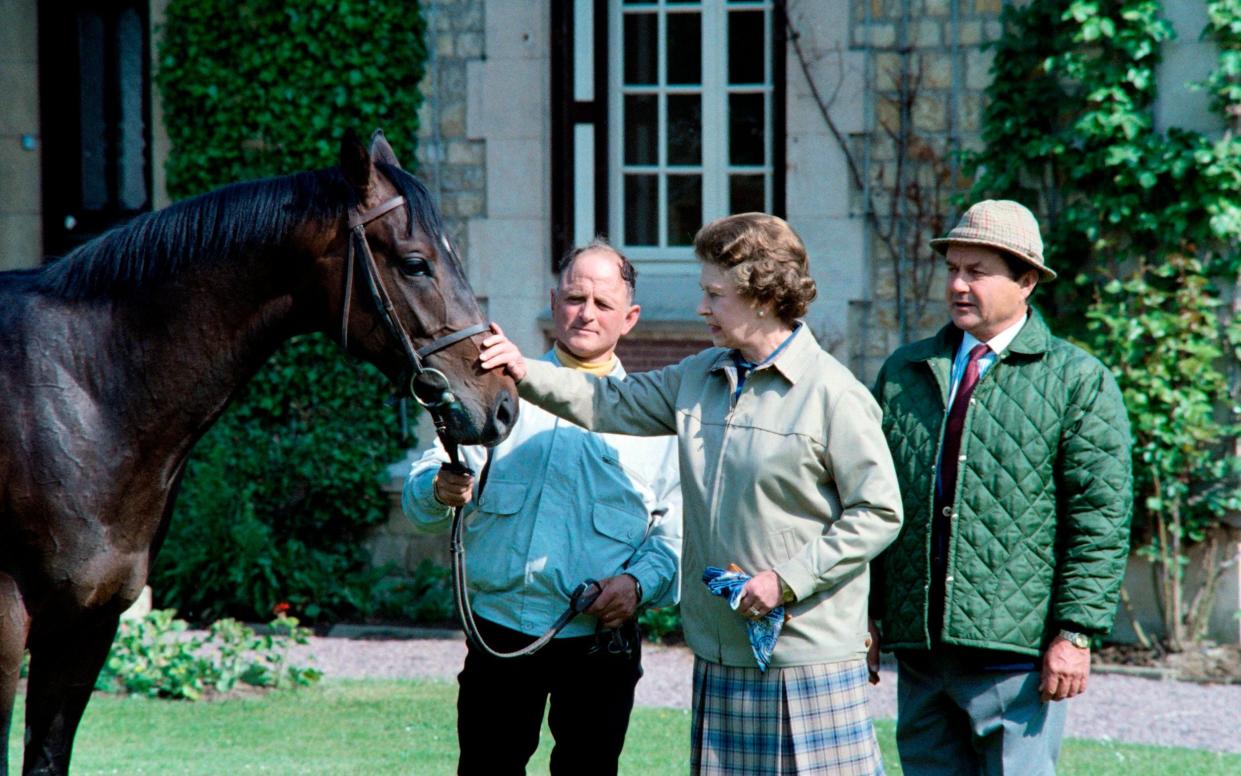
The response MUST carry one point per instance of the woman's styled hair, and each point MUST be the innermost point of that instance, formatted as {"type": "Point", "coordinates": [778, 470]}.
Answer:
{"type": "Point", "coordinates": [769, 257]}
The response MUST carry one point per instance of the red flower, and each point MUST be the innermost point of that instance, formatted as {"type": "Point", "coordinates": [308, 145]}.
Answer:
{"type": "Point", "coordinates": [281, 608]}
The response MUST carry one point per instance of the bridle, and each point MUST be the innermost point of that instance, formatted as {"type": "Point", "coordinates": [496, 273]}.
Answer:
{"type": "Point", "coordinates": [428, 386]}
{"type": "Point", "coordinates": [431, 389]}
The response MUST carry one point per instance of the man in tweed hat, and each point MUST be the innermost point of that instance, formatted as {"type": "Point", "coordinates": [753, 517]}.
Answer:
{"type": "Point", "coordinates": [1012, 449]}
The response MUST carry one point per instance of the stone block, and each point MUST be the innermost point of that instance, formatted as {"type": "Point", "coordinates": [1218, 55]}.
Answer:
{"type": "Point", "coordinates": [887, 71]}
{"type": "Point", "coordinates": [880, 35]}
{"type": "Point", "coordinates": [21, 239]}
{"type": "Point", "coordinates": [887, 114]}
{"type": "Point", "coordinates": [969, 115]}
{"type": "Point", "coordinates": [936, 69]}
{"type": "Point", "coordinates": [453, 120]}
{"type": "Point", "coordinates": [938, 7]}
{"type": "Point", "coordinates": [817, 178]}
{"type": "Point", "coordinates": [978, 69]}
{"type": "Point", "coordinates": [928, 33]}
{"type": "Point", "coordinates": [969, 33]}
{"type": "Point", "coordinates": [445, 45]}
{"type": "Point", "coordinates": [18, 169]}
{"type": "Point", "coordinates": [508, 98]}
{"type": "Point", "coordinates": [469, 45]}
{"type": "Point", "coordinates": [19, 84]}
{"type": "Point", "coordinates": [988, 7]}
{"type": "Point", "coordinates": [516, 168]}
{"type": "Point", "coordinates": [517, 29]}
{"type": "Point", "coordinates": [840, 78]}
{"type": "Point", "coordinates": [930, 113]}
{"type": "Point", "coordinates": [466, 152]}
{"type": "Point", "coordinates": [467, 17]}
{"type": "Point", "coordinates": [19, 34]}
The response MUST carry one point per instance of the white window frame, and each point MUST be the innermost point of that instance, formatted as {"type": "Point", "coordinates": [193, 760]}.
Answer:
{"type": "Point", "coordinates": [715, 168]}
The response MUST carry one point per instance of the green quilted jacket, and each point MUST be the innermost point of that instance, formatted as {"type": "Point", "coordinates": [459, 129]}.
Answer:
{"type": "Point", "coordinates": [1040, 533]}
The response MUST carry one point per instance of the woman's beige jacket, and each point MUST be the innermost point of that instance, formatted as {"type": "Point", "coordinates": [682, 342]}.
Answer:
{"type": "Point", "coordinates": [793, 475]}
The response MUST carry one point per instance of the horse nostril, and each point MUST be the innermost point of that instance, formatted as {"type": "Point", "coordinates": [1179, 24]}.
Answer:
{"type": "Point", "coordinates": [503, 415]}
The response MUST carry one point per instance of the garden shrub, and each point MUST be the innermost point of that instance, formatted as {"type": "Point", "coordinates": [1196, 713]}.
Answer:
{"type": "Point", "coordinates": [279, 494]}
{"type": "Point", "coordinates": [1143, 224]}
{"type": "Point", "coordinates": [155, 657]}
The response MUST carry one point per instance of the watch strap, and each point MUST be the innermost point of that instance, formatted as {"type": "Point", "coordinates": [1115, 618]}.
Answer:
{"type": "Point", "coordinates": [1077, 639]}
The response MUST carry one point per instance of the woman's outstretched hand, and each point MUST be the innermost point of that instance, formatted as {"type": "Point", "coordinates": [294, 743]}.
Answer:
{"type": "Point", "coordinates": [500, 353]}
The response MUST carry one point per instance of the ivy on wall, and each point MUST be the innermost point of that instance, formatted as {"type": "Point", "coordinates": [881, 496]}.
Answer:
{"type": "Point", "coordinates": [279, 494]}
{"type": "Point", "coordinates": [1143, 226]}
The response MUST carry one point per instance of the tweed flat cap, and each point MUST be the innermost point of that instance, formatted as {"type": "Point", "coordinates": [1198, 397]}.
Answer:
{"type": "Point", "coordinates": [1001, 224]}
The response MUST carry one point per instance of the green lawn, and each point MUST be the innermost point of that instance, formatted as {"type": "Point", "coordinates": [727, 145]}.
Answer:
{"type": "Point", "coordinates": [395, 727]}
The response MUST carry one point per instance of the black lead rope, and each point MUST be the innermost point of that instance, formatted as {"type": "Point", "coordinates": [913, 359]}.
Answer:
{"type": "Point", "coordinates": [579, 601]}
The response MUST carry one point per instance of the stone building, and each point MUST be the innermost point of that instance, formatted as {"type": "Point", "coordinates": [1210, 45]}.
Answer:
{"type": "Point", "coordinates": [547, 122]}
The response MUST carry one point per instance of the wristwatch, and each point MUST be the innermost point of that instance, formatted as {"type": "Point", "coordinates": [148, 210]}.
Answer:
{"type": "Point", "coordinates": [1079, 640]}
{"type": "Point", "coordinates": [637, 586]}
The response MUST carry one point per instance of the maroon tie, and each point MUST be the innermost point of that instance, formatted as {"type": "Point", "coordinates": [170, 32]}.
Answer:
{"type": "Point", "coordinates": [956, 419]}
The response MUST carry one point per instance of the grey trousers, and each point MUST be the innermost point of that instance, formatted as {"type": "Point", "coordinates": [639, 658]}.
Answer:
{"type": "Point", "coordinates": [952, 718]}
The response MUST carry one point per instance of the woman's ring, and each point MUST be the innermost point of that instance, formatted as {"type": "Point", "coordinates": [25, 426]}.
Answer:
{"type": "Point", "coordinates": [753, 611]}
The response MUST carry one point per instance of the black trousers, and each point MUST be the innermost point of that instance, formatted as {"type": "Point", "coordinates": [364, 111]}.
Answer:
{"type": "Point", "coordinates": [500, 702]}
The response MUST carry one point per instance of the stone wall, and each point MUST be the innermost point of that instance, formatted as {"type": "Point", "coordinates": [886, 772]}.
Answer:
{"type": "Point", "coordinates": [452, 164]}
{"type": "Point", "coordinates": [928, 69]}
{"type": "Point", "coordinates": [21, 205]}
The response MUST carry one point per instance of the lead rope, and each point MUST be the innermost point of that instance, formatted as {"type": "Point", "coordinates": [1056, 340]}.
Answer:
{"type": "Point", "coordinates": [580, 600]}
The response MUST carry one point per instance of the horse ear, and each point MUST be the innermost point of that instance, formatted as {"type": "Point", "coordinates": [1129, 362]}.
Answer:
{"type": "Point", "coordinates": [355, 162]}
{"type": "Point", "coordinates": [381, 151]}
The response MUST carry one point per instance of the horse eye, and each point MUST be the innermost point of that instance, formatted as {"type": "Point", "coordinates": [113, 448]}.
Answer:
{"type": "Point", "coordinates": [415, 266]}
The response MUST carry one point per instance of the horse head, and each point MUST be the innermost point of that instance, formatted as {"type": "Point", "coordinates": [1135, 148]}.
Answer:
{"type": "Point", "coordinates": [405, 303]}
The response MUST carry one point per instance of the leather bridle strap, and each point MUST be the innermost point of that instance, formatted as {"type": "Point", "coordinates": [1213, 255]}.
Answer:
{"type": "Point", "coordinates": [356, 221]}
{"type": "Point", "coordinates": [359, 251]}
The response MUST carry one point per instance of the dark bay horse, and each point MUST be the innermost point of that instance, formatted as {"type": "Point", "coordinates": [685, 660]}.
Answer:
{"type": "Point", "coordinates": [115, 359]}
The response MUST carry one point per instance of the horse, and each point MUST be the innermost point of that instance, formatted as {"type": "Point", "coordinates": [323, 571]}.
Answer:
{"type": "Point", "coordinates": [116, 358]}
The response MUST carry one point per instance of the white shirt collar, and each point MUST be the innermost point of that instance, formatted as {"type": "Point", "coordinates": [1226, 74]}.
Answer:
{"type": "Point", "coordinates": [999, 342]}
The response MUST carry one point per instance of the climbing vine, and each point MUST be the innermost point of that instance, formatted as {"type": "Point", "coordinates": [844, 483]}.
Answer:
{"type": "Point", "coordinates": [1143, 223]}
{"type": "Point", "coordinates": [280, 494]}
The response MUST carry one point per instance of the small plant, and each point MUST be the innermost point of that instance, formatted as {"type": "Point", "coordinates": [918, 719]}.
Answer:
{"type": "Point", "coordinates": [662, 624]}
{"type": "Point", "coordinates": [157, 657]}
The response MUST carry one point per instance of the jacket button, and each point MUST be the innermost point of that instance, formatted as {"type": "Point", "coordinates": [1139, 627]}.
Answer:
{"type": "Point", "coordinates": [948, 579]}
{"type": "Point", "coordinates": [947, 511]}
{"type": "Point", "coordinates": [868, 642]}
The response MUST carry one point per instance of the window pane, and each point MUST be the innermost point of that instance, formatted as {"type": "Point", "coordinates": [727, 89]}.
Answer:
{"type": "Point", "coordinates": [747, 194]}
{"type": "Point", "coordinates": [684, 129]}
{"type": "Point", "coordinates": [745, 129]}
{"type": "Point", "coordinates": [132, 127]}
{"type": "Point", "coordinates": [94, 151]}
{"type": "Point", "coordinates": [641, 48]}
{"type": "Point", "coordinates": [684, 208]}
{"type": "Point", "coordinates": [684, 48]}
{"type": "Point", "coordinates": [745, 48]}
{"type": "Point", "coordinates": [641, 129]}
{"type": "Point", "coordinates": [641, 209]}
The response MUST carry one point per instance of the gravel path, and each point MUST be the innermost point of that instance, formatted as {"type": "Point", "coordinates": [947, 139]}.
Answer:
{"type": "Point", "coordinates": [1116, 708]}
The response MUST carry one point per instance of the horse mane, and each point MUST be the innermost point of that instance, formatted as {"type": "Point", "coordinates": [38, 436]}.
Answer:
{"type": "Point", "coordinates": [254, 217]}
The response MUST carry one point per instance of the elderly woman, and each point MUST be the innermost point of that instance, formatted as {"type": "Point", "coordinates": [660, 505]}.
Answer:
{"type": "Point", "coordinates": [785, 473]}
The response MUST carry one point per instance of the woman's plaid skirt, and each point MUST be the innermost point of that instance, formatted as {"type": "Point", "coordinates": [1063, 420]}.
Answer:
{"type": "Point", "coordinates": [799, 720]}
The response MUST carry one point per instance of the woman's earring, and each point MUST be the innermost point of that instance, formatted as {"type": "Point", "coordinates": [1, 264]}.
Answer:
{"type": "Point", "coordinates": [762, 313]}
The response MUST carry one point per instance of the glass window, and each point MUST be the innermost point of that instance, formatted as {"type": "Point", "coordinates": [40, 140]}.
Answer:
{"type": "Point", "coordinates": [690, 119]}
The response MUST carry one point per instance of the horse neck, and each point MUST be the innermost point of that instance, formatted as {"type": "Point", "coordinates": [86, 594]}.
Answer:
{"type": "Point", "coordinates": [198, 341]}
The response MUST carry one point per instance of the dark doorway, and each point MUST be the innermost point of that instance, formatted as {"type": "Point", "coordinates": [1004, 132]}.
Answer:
{"type": "Point", "coordinates": [95, 103]}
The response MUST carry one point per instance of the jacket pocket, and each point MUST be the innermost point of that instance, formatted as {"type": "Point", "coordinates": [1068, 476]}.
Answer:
{"type": "Point", "coordinates": [619, 524]}
{"type": "Point", "coordinates": [502, 498]}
